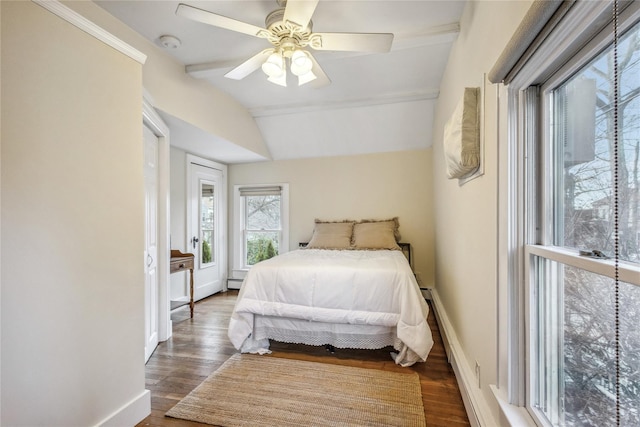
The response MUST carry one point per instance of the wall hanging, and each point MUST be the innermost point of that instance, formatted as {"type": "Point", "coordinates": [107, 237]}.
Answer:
{"type": "Point", "coordinates": [462, 150]}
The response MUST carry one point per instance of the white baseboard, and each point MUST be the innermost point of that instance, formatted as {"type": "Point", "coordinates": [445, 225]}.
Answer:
{"type": "Point", "coordinates": [474, 401]}
{"type": "Point", "coordinates": [131, 413]}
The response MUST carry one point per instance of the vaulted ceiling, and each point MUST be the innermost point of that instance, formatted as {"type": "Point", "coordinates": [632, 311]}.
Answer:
{"type": "Point", "coordinates": [376, 102]}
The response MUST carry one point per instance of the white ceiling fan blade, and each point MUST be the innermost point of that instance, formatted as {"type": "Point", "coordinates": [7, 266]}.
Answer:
{"type": "Point", "coordinates": [210, 18]}
{"type": "Point", "coordinates": [355, 42]}
{"type": "Point", "coordinates": [249, 66]}
{"type": "Point", "coordinates": [321, 78]}
{"type": "Point", "coordinates": [299, 12]}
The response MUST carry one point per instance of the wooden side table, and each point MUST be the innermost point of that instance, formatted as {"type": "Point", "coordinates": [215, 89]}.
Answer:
{"type": "Point", "coordinates": [182, 262]}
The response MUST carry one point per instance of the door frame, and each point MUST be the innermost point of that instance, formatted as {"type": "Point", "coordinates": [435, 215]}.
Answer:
{"type": "Point", "coordinates": [191, 159]}
{"type": "Point", "coordinates": [153, 121]}
{"type": "Point", "coordinates": [151, 288]}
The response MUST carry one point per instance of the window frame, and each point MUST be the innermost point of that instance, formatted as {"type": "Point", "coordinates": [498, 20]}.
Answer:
{"type": "Point", "coordinates": [525, 111]}
{"type": "Point", "coordinates": [239, 267]}
{"type": "Point", "coordinates": [246, 230]}
{"type": "Point", "coordinates": [544, 246]}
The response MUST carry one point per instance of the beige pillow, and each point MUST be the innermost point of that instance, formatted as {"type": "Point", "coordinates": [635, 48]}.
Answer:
{"type": "Point", "coordinates": [331, 235]}
{"type": "Point", "coordinates": [376, 234]}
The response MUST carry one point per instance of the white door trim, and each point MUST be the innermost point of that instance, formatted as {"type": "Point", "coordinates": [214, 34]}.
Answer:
{"type": "Point", "coordinates": [153, 121]}
{"type": "Point", "coordinates": [151, 306]}
{"type": "Point", "coordinates": [224, 244]}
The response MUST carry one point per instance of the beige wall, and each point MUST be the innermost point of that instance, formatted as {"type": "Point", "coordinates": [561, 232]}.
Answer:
{"type": "Point", "coordinates": [179, 284]}
{"type": "Point", "coordinates": [72, 223]}
{"type": "Point", "coordinates": [173, 91]}
{"type": "Point", "coordinates": [357, 187]}
{"type": "Point", "coordinates": [466, 216]}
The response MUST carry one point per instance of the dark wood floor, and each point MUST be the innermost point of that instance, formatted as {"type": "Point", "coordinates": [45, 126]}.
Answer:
{"type": "Point", "coordinates": [200, 345]}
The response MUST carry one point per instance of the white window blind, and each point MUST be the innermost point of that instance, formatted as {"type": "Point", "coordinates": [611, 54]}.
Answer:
{"type": "Point", "coordinates": [261, 191]}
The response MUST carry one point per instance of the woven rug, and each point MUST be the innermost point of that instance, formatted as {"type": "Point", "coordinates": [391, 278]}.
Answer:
{"type": "Point", "coordinates": [251, 390]}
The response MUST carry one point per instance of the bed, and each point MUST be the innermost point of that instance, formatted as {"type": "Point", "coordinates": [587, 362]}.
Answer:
{"type": "Point", "coordinates": [341, 291]}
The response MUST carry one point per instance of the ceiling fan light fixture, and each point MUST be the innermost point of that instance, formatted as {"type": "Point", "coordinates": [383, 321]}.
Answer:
{"type": "Point", "coordinates": [280, 80]}
{"type": "Point", "coordinates": [306, 78]}
{"type": "Point", "coordinates": [301, 63]}
{"type": "Point", "coordinates": [274, 65]}
{"type": "Point", "coordinates": [289, 29]}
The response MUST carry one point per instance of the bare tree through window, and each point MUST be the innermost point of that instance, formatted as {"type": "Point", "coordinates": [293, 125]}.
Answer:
{"type": "Point", "coordinates": [585, 129]}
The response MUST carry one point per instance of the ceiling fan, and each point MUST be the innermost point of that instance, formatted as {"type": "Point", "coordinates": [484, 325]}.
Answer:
{"type": "Point", "coordinates": [289, 30]}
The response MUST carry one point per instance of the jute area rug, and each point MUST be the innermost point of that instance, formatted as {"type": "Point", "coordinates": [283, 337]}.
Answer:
{"type": "Point", "coordinates": [251, 390]}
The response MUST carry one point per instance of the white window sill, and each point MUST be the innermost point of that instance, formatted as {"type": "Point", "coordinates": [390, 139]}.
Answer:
{"type": "Point", "coordinates": [515, 416]}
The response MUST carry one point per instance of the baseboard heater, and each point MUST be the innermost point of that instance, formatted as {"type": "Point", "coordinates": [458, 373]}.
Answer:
{"type": "Point", "coordinates": [179, 302]}
{"type": "Point", "coordinates": [234, 284]}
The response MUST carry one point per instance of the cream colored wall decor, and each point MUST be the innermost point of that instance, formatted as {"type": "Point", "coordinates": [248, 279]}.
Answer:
{"type": "Point", "coordinates": [462, 136]}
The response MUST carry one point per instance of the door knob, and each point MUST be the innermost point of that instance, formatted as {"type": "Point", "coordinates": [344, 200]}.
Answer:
{"type": "Point", "coordinates": [194, 241]}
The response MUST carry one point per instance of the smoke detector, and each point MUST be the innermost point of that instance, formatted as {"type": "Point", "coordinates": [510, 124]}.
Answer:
{"type": "Point", "coordinates": [170, 42]}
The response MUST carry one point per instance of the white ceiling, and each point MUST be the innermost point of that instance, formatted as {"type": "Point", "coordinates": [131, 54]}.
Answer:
{"type": "Point", "coordinates": [375, 102]}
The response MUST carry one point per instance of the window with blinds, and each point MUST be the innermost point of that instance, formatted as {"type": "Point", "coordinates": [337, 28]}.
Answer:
{"type": "Point", "coordinates": [572, 85]}
{"type": "Point", "coordinates": [262, 223]}
{"type": "Point", "coordinates": [580, 301]}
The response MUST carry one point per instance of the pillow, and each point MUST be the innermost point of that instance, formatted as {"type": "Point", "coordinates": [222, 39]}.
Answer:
{"type": "Point", "coordinates": [372, 234]}
{"type": "Point", "coordinates": [331, 235]}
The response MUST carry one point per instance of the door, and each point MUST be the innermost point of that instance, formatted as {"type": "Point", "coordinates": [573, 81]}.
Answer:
{"type": "Point", "coordinates": [151, 242]}
{"type": "Point", "coordinates": [205, 229]}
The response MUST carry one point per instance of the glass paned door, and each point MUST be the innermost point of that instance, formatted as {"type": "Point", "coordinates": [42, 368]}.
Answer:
{"type": "Point", "coordinates": [205, 227]}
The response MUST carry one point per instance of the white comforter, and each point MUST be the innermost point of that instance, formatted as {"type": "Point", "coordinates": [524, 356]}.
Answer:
{"type": "Point", "coordinates": [354, 287]}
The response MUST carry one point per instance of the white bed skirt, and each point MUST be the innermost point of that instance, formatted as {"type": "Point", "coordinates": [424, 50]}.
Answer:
{"type": "Point", "coordinates": [339, 335]}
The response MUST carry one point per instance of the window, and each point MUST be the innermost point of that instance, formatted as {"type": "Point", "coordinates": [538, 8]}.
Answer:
{"type": "Point", "coordinates": [571, 304]}
{"type": "Point", "coordinates": [261, 224]}
{"type": "Point", "coordinates": [207, 222]}
{"type": "Point", "coordinates": [582, 153]}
